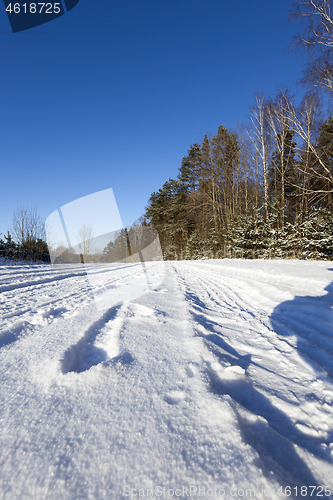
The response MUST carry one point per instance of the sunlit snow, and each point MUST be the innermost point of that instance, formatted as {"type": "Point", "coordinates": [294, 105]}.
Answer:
{"type": "Point", "coordinates": [217, 382]}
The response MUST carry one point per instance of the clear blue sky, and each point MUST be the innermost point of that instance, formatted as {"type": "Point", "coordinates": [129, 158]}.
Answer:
{"type": "Point", "coordinates": [113, 93]}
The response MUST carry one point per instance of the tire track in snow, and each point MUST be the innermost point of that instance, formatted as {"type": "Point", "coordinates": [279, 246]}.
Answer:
{"type": "Point", "coordinates": [221, 292]}
{"type": "Point", "coordinates": [33, 297]}
{"type": "Point", "coordinates": [40, 282]}
{"type": "Point", "coordinates": [99, 344]}
{"type": "Point", "coordinates": [229, 324]}
{"type": "Point", "coordinates": [231, 373]}
{"type": "Point", "coordinates": [38, 310]}
{"type": "Point", "coordinates": [256, 327]}
{"type": "Point", "coordinates": [311, 318]}
{"type": "Point", "coordinates": [19, 322]}
{"type": "Point", "coordinates": [44, 278]}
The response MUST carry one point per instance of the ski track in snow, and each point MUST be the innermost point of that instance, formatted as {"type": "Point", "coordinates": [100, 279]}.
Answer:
{"type": "Point", "coordinates": [221, 377]}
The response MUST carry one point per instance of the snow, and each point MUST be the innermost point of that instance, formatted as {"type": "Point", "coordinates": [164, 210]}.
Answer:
{"type": "Point", "coordinates": [216, 381]}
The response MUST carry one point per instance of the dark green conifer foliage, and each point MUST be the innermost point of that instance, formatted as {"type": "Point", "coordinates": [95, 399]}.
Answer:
{"type": "Point", "coordinates": [11, 248]}
{"type": "Point", "coordinates": [188, 178]}
{"type": "Point", "coordinates": [322, 178]}
{"type": "Point", "coordinates": [168, 214]}
{"type": "Point", "coordinates": [189, 171]}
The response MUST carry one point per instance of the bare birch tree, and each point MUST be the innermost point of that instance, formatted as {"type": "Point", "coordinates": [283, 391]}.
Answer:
{"type": "Point", "coordinates": [316, 16]}
{"type": "Point", "coordinates": [277, 116]}
{"type": "Point", "coordinates": [258, 137]}
{"type": "Point", "coordinates": [307, 116]}
{"type": "Point", "coordinates": [85, 235]}
{"type": "Point", "coordinates": [302, 124]}
{"type": "Point", "coordinates": [317, 38]}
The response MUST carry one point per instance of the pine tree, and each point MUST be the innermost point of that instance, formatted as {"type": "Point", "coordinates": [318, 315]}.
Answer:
{"type": "Point", "coordinates": [189, 171]}
{"type": "Point", "coordinates": [317, 235]}
{"type": "Point", "coordinates": [2, 248]}
{"type": "Point", "coordinates": [107, 252]}
{"type": "Point", "coordinates": [322, 178]}
{"type": "Point", "coordinates": [12, 250]}
{"type": "Point", "coordinates": [168, 213]}
{"type": "Point", "coordinates": [188, 178]}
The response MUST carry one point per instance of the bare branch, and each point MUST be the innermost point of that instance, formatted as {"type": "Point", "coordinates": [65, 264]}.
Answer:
{"type": "Point", "coordinates": [27, 226]}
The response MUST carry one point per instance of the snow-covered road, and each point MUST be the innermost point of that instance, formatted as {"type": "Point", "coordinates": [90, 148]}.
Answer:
{"type": "Point", "coordinates": [217, 383]}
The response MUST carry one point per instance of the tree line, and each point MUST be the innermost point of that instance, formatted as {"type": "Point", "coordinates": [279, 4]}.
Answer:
{"type": "Point", "coordinates": [137, 243]}
{"type": "Point", "coordinates": [264, 189]}
{"type": "Point", "coordinates": [27, 243]}
{"type": "Point", "coordinates": [27, 240]}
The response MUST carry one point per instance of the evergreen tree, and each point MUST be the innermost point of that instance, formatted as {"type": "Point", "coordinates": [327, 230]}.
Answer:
{"type": "Point", "coordinates": [107, 252]}
{"type": "Point", "coordinates": [189, 171]}
{"type": "Point", "coordinates": [322, 178]}
{"type": "Point", "coordinates": [253, 236]}
{"type": "Point", "coordinates": [2, 248]}
{"type": "Point", "coordinates": [168, 214]}
{"type": "Point", "coordinates": [317, 235]}
{"type": "Point", "coordinates": [189, 178]}
{"type": "Point", "coordinates": [11, 248]}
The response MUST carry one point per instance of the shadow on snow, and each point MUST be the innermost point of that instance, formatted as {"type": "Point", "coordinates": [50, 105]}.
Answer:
{"type": "Point", "coordinates": [274, 435]}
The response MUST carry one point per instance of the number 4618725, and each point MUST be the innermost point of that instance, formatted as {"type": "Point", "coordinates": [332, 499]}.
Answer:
{"type": "Point", "coordinates": [33, 8]}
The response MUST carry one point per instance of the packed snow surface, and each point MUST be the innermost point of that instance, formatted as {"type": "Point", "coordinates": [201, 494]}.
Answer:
{"type": "Point", "coordinates": [216, 383]}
